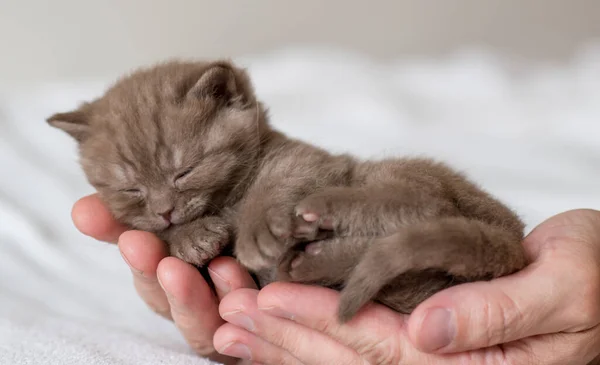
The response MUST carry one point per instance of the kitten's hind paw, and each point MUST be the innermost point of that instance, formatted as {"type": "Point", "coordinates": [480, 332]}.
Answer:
{"type": "Point", "coordinates": [333, 209]}
{"type": "Point", "coordinates": [311, 227]}
{"type": "Point", "coordinates": [303, 263]}
{"type": "Point", "coordinates": [326, 262]}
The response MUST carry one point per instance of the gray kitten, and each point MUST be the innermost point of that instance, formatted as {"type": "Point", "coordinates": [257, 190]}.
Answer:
{"type": "Point", "coordinates": [184, 149]}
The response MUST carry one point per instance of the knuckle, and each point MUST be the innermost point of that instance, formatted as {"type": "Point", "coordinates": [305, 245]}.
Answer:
{"type": "Point", "coordinates": [288, 339]}
{"type": "Point", "coordinates": [282, 358]}
{"type": "Point", "coordinates": [384, 351]}
{"type": "Point", "coordinates": [499, 317]}
{"type": "Point", "coordinates": [162, 310]}
{"type": "Point", "coordinates": [480, 358]}
{"type": "Point", "coordinates": [521, 353]}
{"type": "Point", "coordinates": [586, 310]}
{"type": "Point", "coordinates": [324, 326]}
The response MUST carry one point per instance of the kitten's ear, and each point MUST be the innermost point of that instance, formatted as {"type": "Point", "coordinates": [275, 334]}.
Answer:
{"type": "Point", "coordinates": [75, 123]}
{"type": "Point", "coordinates": [224, 83]}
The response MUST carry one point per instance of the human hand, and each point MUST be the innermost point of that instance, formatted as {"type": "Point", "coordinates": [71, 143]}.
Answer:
{"type": "Point", "coordinates": [549, 313]}
{"type": "Point", "coordinates": [171, 287]}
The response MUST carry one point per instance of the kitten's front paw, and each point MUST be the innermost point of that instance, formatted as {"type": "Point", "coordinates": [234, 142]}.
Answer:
{"type": "Point", "coordinates": [263, 238]}
{"type": "Point", "coordinates": [199, 241]}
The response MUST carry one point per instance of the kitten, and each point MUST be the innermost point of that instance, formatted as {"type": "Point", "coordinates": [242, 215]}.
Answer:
{"type": "Point", "coordinates": [184, 149]}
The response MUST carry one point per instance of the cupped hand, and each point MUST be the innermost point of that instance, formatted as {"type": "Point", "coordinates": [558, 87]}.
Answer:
{"type": "Point", "coordinates": [549, 313]}
{"type": "Point", "coordinates": [172, 288]}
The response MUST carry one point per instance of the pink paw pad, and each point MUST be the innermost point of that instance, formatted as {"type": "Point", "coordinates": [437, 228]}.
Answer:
{"type": "Point", "coordinates": [314, 248]}
{"type": "Point", "coordinates": [310, 217]}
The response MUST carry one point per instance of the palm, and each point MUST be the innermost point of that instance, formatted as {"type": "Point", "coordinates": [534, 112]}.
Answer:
{"type": "Point", "coordinates": [537, 316]}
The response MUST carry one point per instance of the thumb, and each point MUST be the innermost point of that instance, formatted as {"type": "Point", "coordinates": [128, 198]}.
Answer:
{"type": "Point", "coordinates": [540, 299]}
{"type": "Point", "coordinates": [483, 314]}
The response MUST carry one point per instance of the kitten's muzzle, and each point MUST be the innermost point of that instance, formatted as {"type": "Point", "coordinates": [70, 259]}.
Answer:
{"type": "Point", "coordinates": [166, 215]}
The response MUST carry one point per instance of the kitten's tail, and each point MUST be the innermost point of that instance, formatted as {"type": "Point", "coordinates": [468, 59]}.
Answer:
{"type": "Point", "coordinates": [462, 247]}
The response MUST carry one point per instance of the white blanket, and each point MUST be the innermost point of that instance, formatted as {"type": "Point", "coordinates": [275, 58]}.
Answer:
{"type": "Point", "coordinates": [530, 136]}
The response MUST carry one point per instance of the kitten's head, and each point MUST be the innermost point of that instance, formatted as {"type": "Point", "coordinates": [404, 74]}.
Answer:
{"type": "Point", "coordinates": [167, 144]}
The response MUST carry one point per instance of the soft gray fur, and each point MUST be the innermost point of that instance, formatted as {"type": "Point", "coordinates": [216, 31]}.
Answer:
{"type": "Point", "coordinates": [184, 149]}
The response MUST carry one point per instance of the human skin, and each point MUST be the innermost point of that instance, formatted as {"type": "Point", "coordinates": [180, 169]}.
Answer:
{"type": "Point", "coordinates": [171, 287]}
{"type": "Point", "coordinates": [548, 313]}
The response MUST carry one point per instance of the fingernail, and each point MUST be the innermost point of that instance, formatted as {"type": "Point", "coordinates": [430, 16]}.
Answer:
{"type": "Point", "coordinates": [437, 329]}
{"type": "Point", "coordinates": [238, 350]}
{"type": "Point", "coordinates": [221, 284]}
{"type": "Point", "coordinates": [239, 319]}
{"type": "Point", "coordinates": [277, 312]}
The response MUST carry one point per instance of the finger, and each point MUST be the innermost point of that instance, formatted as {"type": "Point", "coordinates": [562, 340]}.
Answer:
{"type": "Point", "coordinates": [236, 342]}
{"type": "Point", "coordinates": [91, 217]}
{"type": "Point", "coordinates": [482, 314]}
{"type": "Point", "coordinates": [227, 274]}
{"type": "Point", "coordinates": [308, 346]}
{"type": "Point", "coordinates": [142, 251]}
{"type": "Point", "coordinates": [377, 333]}
{"type": "Point", "coordinates": [317, 308]}
{"type": "Point", "coordinates": [193, 305]}
{"type": "Point", "coordinates": [556, 349]}
{"type": "Point", "coordinates": [538, 300]}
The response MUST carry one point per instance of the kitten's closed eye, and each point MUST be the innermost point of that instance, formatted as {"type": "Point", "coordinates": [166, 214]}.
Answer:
{"type": "Point", "coordinates": [183, 174]}
{"type": "Point", "coordinates": [180, 178]}
{"type": "Point", "coordinates": [131, 191]}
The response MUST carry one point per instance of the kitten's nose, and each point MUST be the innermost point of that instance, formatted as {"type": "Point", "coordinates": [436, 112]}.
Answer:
{"type": "Point", "coordinates": [167, 215]}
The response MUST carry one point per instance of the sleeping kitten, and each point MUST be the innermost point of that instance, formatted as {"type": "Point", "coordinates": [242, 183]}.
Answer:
{"type": "Point", "coordinates": [184, 149]}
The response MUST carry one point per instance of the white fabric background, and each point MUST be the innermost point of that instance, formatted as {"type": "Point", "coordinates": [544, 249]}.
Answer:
{"type": "Point", "coordinates": [530, 136]}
